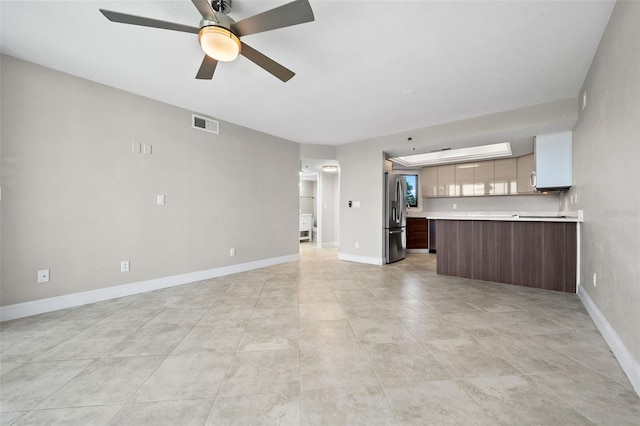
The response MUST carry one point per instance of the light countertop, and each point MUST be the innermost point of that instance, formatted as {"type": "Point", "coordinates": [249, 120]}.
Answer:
{"type": "Point", "coordinates": [522, 216]}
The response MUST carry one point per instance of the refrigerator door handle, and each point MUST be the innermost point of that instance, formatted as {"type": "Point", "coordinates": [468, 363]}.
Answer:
{"type": "Point", "coordinates": [396, 232]}
{"type": "Point", "coordinates": [398, 199]}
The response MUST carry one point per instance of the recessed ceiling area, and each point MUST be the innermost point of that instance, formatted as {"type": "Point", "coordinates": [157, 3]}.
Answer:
{"type": "Point", "coordinates": [459, 155]}
{"type": "Point", "coordinates": [435, 62]}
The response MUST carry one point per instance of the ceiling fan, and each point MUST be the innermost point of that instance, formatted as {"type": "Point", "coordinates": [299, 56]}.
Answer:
{"type": "Point", "coordinates": [219, 35]}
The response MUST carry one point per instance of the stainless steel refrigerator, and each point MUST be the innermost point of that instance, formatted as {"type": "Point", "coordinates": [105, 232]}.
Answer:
{"type": "Point", "coordinates": [395, 217]}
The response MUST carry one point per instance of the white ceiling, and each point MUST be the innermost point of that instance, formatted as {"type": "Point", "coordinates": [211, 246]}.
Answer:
{"type": "Point", "coordinates": [353, 64]}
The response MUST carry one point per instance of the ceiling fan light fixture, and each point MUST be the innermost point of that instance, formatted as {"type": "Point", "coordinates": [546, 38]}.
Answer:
{"type": "Point", "coordinates": [219, 43]}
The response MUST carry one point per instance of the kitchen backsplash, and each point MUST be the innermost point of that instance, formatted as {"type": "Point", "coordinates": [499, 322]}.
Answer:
{"type": "Point", "coordinates": [548, 202]}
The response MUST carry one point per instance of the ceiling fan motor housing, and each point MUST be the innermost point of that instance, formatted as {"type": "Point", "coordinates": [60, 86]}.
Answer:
{"type": "Point", "coordinates": [223, 6]}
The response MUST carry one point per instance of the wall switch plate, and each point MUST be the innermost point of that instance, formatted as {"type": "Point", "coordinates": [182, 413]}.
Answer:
{"type": "Point", "coordinates": [124, 266]}
{"type": "Point", "coordinates": [584, 100]}
{"type": "Point", "coordinates": [232, 252]}
{"type": "Point", "coordinates": [357, 244]}
{"type": "Point", "coordinates": [594, 280]}
{"type": "Point", "coordinates": [43, 276]}
{"type": "Point", "coordinates": [160, 200]}
{"type": "Point", "coordinates": [146, 149]}
{"type": "Point", "coordinates": [356, 204]}
{"type": "Point", "coordinates": [136, 147]}
{"type": "Point", "coordinates": [455, 206]}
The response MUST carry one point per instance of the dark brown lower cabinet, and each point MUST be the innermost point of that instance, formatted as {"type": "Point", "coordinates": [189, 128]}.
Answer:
{"type": "Point", "coordinates": [533, 254]}
{"type": "Point", "coordinates": [417, 233]}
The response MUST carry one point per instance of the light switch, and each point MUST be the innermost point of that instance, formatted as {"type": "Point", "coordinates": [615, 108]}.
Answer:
{"type": "Point", "coordinates": [136, 147]}
{"type": "Point", "coordinates": [160, 200]}
{"type": "Point", "coordinates": [147, 149]}
{"type": "Point", "coordinates": [356, 204]}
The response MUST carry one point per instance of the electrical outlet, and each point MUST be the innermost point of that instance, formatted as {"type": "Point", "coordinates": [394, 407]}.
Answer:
{"type": "Point", "coordinates": [455, 206]}
{"type": "Point", "coordinates": [43, 276]}
{"type": "Point", "coordinates": [124, 266]}
{"type": "Point", "coordinates": [357, 244]}
{"type": "Point", "coordinates": [232, 252]}
{"type": "Point", "coordinates": [160, 200]}
{"type": "Point", "coordinates": [595, 284]}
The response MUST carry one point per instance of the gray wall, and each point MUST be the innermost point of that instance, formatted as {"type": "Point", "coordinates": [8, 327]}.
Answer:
{"type": "Point", "coordinates": [327, 152]}
{"type": "Point", "coordinates": [606, 172]}
{"type": "Point", "coordinates": [77, 201]}
{"type": "Point", "coordinates": [362, 163]}
{"type": "Point", "coordinates": [361, 179]}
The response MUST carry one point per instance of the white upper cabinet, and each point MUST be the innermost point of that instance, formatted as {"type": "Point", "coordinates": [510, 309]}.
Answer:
{"type": "Point", "coordinates": [553, 161]}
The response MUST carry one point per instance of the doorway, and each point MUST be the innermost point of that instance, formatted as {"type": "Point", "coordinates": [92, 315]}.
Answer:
{"type": "Point", "coordinates": [319, 200]}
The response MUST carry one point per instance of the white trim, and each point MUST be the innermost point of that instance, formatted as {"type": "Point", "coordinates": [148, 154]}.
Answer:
{"type": "Point", "coordinates": [35, 307]}
{"type": "Point", "coordinates": [361, 259]}
{"type": "Point", "coordinates": [622, 354]}
{"type": "Point", "coordinates": [578, 253]}
{"type": "Point", "coordinates": [423, 251]}
{"type": "Point", "coordinates": [330, 244]}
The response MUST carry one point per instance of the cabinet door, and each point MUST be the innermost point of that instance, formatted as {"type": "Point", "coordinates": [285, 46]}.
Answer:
{"type": "Point", "coordinates": [429, 181]}
{"type": "Point", "coordinates": [417, 233]}
{"type": "Point", "coordinates": [525, 168]}
{"type": "Point", "coordinates": [464, 179]}
{"type": "Point", "coordinates": [447, 181]}
{"type": "Point", "coordinates": [553, 160]}
{"type": "Point", "coordinates": [446, 238]}
{"type": "Point", "coordinates": [483, 178]}
{"type": "Point", "coordinates": [506, 175]}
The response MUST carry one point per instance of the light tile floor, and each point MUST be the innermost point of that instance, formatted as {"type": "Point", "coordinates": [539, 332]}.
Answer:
{"type": "Point", "coordinates": [319, 341]}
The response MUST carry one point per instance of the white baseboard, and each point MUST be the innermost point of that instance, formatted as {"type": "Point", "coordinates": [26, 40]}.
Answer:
{"type": "Point", "coordinates": [361, 259]}
{"type": "Point", "coordinates": [35, 307]}
{"type": "Point", "coordinates": [421, 251]}
{"type": "Point", "coordinates": [622, 354]}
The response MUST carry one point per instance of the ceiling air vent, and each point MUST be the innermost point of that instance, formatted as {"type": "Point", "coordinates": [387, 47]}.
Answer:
{"type": "Point", "coordinates": [206, 124]}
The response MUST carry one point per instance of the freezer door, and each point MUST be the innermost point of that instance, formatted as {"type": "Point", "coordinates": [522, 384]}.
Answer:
{"type": "Point", "coordinates": [396, 243]}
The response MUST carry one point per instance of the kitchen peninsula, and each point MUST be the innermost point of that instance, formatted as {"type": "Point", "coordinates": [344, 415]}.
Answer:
{"type": "Point", "coordinates": [534, 249]}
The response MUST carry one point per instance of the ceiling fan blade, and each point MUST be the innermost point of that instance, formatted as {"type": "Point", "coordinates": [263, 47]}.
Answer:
{"type": "Point", "coordinates": [266, 63]}
{"type": "Point", "coordinates": [205, 9]}
{"type": "Point", "coordinates": [207, 68]}
{"type": "Point", "coordinates": [124, 18]}
{"type": "Point", "coordinates": [294, 13]}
